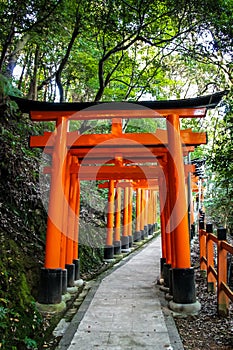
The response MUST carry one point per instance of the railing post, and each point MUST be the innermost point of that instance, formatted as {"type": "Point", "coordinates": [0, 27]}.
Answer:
{"type": "Point", "coordinates": [211, 281]}
{"type": "Point", "coordinates": [202, 245]}
{"type": "Point", "coordinates": [223, 300]}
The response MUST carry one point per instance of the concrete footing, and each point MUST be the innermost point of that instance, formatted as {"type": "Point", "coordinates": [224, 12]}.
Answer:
{"type": "Point", "coordinates": [51, 308]}
{"type": "Point", "coordinates": [79, 283]}
{"type": "Point", "coordinates": [164, 289]}
{"type": "Point", "coordinates": [66, 297]}
{"type": "Point", "coordinates": [180, 290]}
{"type": "Point", "coordinates": [185, 309]}
{"type": "Point", "coordinates": [72, 290]}
{"type": "Point", "coordinates": [126, 250]}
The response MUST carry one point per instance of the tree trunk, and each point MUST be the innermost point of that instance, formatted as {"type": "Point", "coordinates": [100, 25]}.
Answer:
{"type": "Point", "coordinates": [32, 95]}
{"type": "Point", "coordinates": [14, 55]}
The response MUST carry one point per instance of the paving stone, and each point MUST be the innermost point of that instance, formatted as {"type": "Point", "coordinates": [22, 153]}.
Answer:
{"type": "Point", "coordinates": [125, 312]}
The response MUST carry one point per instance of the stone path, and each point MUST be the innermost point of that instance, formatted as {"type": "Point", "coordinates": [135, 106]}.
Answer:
{"type": "Point", "coordinates": [125, 312]}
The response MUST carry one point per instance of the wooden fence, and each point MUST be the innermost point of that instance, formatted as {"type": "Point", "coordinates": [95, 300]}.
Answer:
{"type": "Point", "coordinates": [214, 250]}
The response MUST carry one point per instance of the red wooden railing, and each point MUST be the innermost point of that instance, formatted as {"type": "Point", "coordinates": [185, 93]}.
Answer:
{"type": "Point", "coordinates": [213, 264]}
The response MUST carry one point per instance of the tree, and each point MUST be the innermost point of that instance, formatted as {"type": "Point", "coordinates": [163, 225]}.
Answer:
{"type": "Point", "coordinates": [58, 43]}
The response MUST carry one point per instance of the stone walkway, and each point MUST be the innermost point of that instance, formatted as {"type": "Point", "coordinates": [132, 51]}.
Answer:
{"type": "Point", "coordinates": [125, 311]}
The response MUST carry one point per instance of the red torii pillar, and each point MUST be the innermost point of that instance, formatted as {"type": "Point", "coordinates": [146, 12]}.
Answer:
{"type": "Point", "coordinates": [50, 291]}
{"type": "Point", "coordinates": [151, 210]}
{"type": "Point", "coordinates": [117, 233]}
{"type": "Point", "coordinates": [125, 236]}
{"type": "Point", "coordinates": [72, 261]}
{"type": "Point", "coordinates": [130, 213]}
{"type": "Point", "coordinates": [183, 281]}
{"type": "Point", "coordinates": [137, 233]}
{"type": "Point", "coordinates": [146, 214]}
{"type": "Point", "coordinates": [65, 224]}
{"type": "Point", "coordinates": [76, 260]}
{"type": "Point", "coordinates": [142, 214]}
{"type": "Point", "coordinates": [155, 221]}
{"type": "Point", "coordinates": [165, 236]}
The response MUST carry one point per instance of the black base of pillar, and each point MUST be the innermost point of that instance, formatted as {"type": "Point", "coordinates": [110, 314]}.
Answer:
{"type": "Point", "coordinates": [109, 252]}
{"type": "Point", "coordinates": [137, 236]}
{"type": "Point", "coordinates": [70, 274]}
{"type": "Point", "coordinates": [150, 229]}
{"type": "Point", "coordinates": [142, 235]}
{"type": "Point", "coordinates": [162, 262]}
{"type": "Point", "coordinates": [124, 242]}
{"type": "Point", "coordinates": [130, 241]}
{"type": "Point", "coordinates": [192, 233]}
{"type": "Point", "coordinates": [170, 276]}
{"type": "Point", "coordinates": [145, 231]}
{"type": "Point", "coordinates": [50, 290]}
{"type": "Point", "coordinates": [166, 268]}
{"type": "Point", "coordinates": [76, 263]}
{"type": "Point", "coordinates": [117, 247]}
{"type": "Point", "coordinates": [64, 281]}
{"type": "Point", "coordinates": [183, 282]}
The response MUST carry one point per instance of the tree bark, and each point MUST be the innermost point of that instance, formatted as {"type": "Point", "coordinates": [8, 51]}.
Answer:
{"type": "Point", "coordinates": [33, 84]}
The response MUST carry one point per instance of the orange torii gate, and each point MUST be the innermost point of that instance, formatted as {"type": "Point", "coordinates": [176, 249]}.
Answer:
{"type": "Point", "coordinates": [120, 172]}
{"type": "Point", "coordinates": [176, 226]}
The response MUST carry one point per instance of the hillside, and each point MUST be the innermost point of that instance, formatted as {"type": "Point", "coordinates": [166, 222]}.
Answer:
{"type": "Point", "coordinates": [22, 232]}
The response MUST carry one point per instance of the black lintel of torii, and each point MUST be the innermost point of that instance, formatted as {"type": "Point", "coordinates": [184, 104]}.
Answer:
{"type": "Point", "coordinates": [208, 102]}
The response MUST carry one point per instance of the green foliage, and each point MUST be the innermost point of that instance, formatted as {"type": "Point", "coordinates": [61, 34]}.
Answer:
{"type": "Point", "coordinates": [22, 228]}
{"type": "Point", "coordinates": [121, 50]}
{"type": "Point", "coordinates": [7, 88]}
{"type": "Point", "coordinates": [220, 163]}
{"type": "Point", "coordinates": [20, 322]}
{"type": "Point", "coordinates": [219, 203]}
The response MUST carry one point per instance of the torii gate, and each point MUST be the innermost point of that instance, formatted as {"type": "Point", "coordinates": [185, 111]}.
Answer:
{"type": "Point", "coordinates": [176, 211]}
{"type": "Point", "coordinates": [118, 145]}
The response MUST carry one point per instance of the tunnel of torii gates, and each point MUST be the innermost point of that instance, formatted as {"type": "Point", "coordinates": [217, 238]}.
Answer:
{"type": "Point", "coordinates": [149, 164]}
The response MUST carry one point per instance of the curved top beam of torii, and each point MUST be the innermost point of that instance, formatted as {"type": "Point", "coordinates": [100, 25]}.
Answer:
{"type": "Point", "coordinates": [48, 111]}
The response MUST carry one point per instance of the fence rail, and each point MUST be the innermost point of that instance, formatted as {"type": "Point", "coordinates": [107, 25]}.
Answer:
{"type": "Point", "coordinates": [213, 264]}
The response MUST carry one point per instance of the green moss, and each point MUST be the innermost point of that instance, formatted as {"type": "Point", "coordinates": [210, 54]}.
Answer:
{"type": "Point", "coordinates": [18, 315]}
